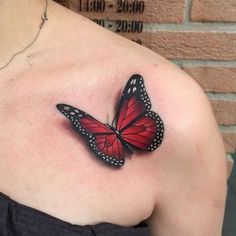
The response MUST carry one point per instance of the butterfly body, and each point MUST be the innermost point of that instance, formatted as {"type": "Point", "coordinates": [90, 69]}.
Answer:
{"type": "Point", "coordinates": [135, 126]}
{"type": "Point", "coordinates": [112, 128]}
{"type": "Point", "coordinates": [125, 144]}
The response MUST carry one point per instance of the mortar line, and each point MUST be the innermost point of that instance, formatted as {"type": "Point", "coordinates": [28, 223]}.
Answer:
{"type": "Point", "coordinates": [222, 96]}
{"type": "Point", "coordinates": [203, 63]}
{"type": "Point", "coordinates": [191, 27]}
{"type": "Point", "coordinates": [227, 128]}
{"type": "Point", "coordinates": [187, 11]}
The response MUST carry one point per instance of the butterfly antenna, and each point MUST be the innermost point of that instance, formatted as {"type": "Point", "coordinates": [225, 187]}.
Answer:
{"type": "Point", "coordinates": [107, 118]}
{"type": "Point", "coordinates": [120, 93]}
{"type": "Point", "coordinates": [113, 121]}
{"type": "Point", "coordinates": [116, 106]}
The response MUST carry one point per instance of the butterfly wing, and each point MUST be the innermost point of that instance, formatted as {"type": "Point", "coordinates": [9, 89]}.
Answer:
{"type": "Point", "coordinates": [146, 133]}
{"type": "Point", "coordinates": [139, 127]}
{"type": "Point", "coordinates": [102, 139]}
{"type": "Point", "coordinates": [133, 103]}
{"type": "Point", "coordinates": [136, 125]}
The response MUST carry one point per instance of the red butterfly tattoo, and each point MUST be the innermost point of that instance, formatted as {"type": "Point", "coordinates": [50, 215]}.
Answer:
{"type": "Point", "coordinates": [135, 127]}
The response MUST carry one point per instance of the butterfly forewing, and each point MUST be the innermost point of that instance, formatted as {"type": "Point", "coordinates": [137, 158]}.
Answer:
{"type": "Point", "coordinates": [138, 126]}
{"type": "Point", "coordinates": [102, 139]}
{"type": "Point", "coordinates": [130, 110]}
{"type": "Point", "coordinates": [133, 103]}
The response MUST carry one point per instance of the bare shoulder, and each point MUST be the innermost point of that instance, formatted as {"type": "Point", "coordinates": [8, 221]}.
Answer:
{"type": "Point", "coordinates": [189, 167]}
{"type": "Point", "coordinates": [190, 164]}
{"type": "Point", "coordinates": [188, 170]}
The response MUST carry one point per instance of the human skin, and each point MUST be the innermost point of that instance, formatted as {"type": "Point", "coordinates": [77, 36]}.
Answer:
{"type": "Point", "coordinates": [179, 189]}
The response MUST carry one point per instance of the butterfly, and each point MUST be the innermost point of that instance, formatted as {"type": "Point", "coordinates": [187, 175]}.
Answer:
{"type": "Point", "coordinates": [135, 127]}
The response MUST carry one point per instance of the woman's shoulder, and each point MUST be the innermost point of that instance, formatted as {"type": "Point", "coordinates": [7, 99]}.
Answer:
{"type": "Point", "coordinates": [90, 64]}
{"type": "Point", "coordinates": [88, 67]}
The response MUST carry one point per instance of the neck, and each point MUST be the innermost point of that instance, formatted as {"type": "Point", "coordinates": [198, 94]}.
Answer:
{"type": "Point", "coordinates": [19, 24]}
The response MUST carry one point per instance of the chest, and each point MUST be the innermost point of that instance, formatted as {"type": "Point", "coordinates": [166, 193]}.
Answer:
{"type": "Point", "coordinates": [46, 165]}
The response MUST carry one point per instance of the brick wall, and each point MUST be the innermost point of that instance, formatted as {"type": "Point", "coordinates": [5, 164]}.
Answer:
{"type": "Point", "coordinates": [200, 37]}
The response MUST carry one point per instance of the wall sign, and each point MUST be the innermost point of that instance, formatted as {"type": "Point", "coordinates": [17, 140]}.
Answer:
{"type": "Point", "coordinates": [121, 16]}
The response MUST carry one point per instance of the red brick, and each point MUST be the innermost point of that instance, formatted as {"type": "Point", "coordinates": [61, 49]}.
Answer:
{"type": "Point", "coordinates": [230, 142]}
{"type": "Point", "coordinates": [214, 79]}
{"type": "Point", "coordinates": [214, 10]}
{"type": "Point", "coordinates": [163, 11]}
{"type": "Point", "coordinates": [225, 111]}
{"type": "Point", "coordinates": [190, 45]}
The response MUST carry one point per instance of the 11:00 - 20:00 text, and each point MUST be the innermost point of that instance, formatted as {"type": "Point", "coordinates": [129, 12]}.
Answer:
{"type": "Point", "coordinates": [122, 26]}
{"type": "Point", "coordinates": [122, 6]}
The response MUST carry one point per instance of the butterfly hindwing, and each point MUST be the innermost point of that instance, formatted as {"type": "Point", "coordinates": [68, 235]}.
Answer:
{"type": "Point", "coordinates": [109, 148]}
{"type": "Point", "coordinates": [146, 133]}
{"type": "Point", "coordinates": [102, 139]}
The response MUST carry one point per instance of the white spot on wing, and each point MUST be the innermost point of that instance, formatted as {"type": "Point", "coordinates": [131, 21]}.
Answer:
{"type": "Point", "coordinates": [133, 81]}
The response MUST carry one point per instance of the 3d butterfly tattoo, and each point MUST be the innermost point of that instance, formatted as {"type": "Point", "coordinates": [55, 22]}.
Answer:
{"type": "Point", "coordinates": [135, 127]}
